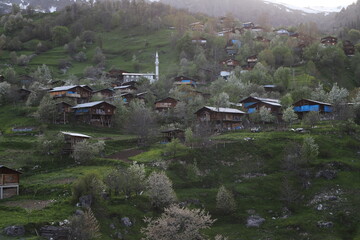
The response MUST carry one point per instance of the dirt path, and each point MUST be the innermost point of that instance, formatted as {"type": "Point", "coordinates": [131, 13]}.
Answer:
{"type": "Point", "coordinates": [126, 154]}
{"type": "Point", "coordinates": [29, 204]}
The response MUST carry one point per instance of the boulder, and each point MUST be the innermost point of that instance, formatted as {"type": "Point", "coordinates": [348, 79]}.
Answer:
{"type": "Point", "coordinates": [322, 224]}
{"type": "Point", "coordinates": [55, 233]}
{"type": "Point", "coordinates": [254, 221]}
{"type": "Point", "coordinates": [86, 201]}
{"type": "Point", "coordinates": [14, 231]}
{"type": "Point", "coordinates": [327, 174]}
{"type": "Point", "coordinates": [126, 222]}
{"type": "Point", "coordinates": [79, 212]}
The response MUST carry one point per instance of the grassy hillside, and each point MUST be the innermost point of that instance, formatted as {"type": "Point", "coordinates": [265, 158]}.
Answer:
{"type": "Point", "coordinates": [252, 170]}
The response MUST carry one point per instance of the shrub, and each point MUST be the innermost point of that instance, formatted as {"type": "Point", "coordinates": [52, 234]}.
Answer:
{"type": "Point", "coordinates": [225, 201]}
{"type": "Point", "coordinates": [85, 226]}
{"type": "Point", "coordinates": [160, 190]}
{"type": "Point", "coordinates": [86, 150]}
{"type": "Point", "coordinates": [89, 184]}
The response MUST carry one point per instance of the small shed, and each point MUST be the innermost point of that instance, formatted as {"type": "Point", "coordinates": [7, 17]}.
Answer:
{"type": "Point", "coordinates": [71, 139]}
{"type": "Point", "coordinates": [329, 40]}
{"type": "Point", "coordinates": [170, 134]}
{"type": "Point", "coordinates": [9, 182]}
{"type": "Point", "coordinates": [253, 104]}
{"type": "Point", "coordinates": [165, 104]}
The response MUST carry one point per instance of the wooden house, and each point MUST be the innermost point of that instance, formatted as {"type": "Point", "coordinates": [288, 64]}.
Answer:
{"type": "Point", "coordinates": [125, 89]}
{"type": "Point", "coordinates": [248, 25]}
{"type": "Point", "coordinates": [197, 26]}
{"type": "Point", "coordinates": [169, 135]}
{"type": "Point", "coordinates": [304, 106]}
{"type": "Point", "coordinates": [349, 48]}
{"type": "Point", "coordinates": [182, 80]}
{"type": "Point", "coordinates": [262, 39]}
{"type": "Point", "coordinates": [251, 62]}
{"type": "Point", "coordinates": [106, 93]}
{"type": "Point", "coordinates": [230, 63]}
{"type": "Point", "coordinates": [95, 113]}
{"type": "Point", "coordinates": [81, 93]}
{"type": "Point", "coordinates": [9, 182]}
{"type": "Point", "coordinates": [253, 104]}
{"type": "Point", "coordinates": [64, 111]}
{"type": "Point", "coordinates": [221, 118]}
{"type": "Point", "coordinates": [232, 46]}
{"type": "Point", "coordinates": [165, 104]}
{"type": "Point", "coordinates": [71, 139]}
{"type": "Point", "coordinates": [329, 41]}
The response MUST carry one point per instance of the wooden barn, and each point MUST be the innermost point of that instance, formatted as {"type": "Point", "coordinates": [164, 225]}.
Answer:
{"type": "Point", "coordinates": [165, 104]}
{"type": "Point", "coordinates": [81, 93]}
{"type": "Point", "coordinates": [125, 88]}
{"type": "Point", "coordinates": [71, 139]}
{"type": "Point", "coordinates": [64, 111]}
{"type": "Point", "coordinates": [221, 118]}
{"type": "Point", "coordinates": [349, 48]}
{"type": "Point", "coordinates": [95, 113]}
{"type": "Point", "coordinates": [253, 104]}
{"type": "Point", "coordinates": [9, 182]}
{"type": "Point", "coordinates": [304, 106]}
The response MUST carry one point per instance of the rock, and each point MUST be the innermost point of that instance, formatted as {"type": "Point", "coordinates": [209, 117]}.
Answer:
{"type": "Point", "coordinates": [322, 224]}
{"type": "Point", "coordinates": [118, 235]}
{"type": "Point", "coordinates": [112, 226]}
{"type": "Point", "coordinates": [55, 233]}
{"type": "Point", "coordinates": [126, 221]}
{"type": "Point", "coordinates": [327, 174]}
{"type": "Point", "coordinates": [285, 213]}
{"type": "Point", "coordinates": [254, 221]}
{"type": "Point", "coordinates": [14, 231]}
{"type": "Point", "coordinates": [320, 207]}
{"type": "Point", "coordinates": [86, 201]}
{"type": "Point", "coordinates": [79, 212]}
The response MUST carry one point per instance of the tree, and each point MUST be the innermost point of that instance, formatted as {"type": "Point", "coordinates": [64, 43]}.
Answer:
{"type": "Point", "coordinates": [311, 118]}
{"type": "Point", "coordinates": [99, 58]}
{"type": "Point", "coordinates": [265, 115]}
{"type": "Point", "coordinates": [141, 122]}
{"type": "Point", "coordinates": [354, 35]}
{"type": "Point", "coordinates": [177, 223]}
{"type": "Point", "coordinates": [173, 147]}
{"type": "Point", "coordinates": [225, 201]}
{"type": "Point", "coordinates": [356, 100]}
{"type": "Point", "coordinates": [60, 35]}
{"type": "Point", "coordinates": [221, 100]}
{"type": "Point", "coordinates": [282, 76]}
{"type": "Point", "coordinates": [4, 92]}
{"type": "Point", "coordinates": [47, 110]}
{"type": "Point", "coordinates": [189, 137]}
{"type": "Point", "coordinates": [85, 226]}
{"type": "Point", "coordinates": [159, 189]}
{"type": "Point", "coordinates": [86, 150]}
{"type": "Point", "coordinates": [90, 184]}
{"type": "Point", "coordinates": [319, 94]}
{"type": "Point", "coordinates": [289, 115]}
{"type": "Point", "coordinates": [136, 173]}
{"type": "Point", "coordinates": [309, 150]}
{"type": "Point", "coordinates": [42, 74]}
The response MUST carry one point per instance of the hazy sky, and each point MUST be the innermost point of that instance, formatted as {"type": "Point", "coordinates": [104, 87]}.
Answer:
{"type": "Point", "coordinates": [325, 3]}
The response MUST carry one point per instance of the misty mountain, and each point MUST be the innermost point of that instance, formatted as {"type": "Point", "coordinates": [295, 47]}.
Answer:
{"type": "Point", "coordinates": [253, 10]}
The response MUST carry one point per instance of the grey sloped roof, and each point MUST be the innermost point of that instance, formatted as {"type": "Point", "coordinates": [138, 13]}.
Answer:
{"type": "Point", "coordinates": [63, 88]}
{"type": "Point", "coordinates": [89, 104]}
{"type": "Point", "coordinates": [225, 110]}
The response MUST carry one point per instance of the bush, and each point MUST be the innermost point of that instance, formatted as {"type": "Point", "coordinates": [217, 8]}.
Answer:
{"type": "Point", "coordinates": [89, 184]}
{"type": "Point", "coordinates": [225, 201]}
{"type": "Point", "coordinates": [85, 226]}
{"type": "Point", "coordinates": [86, 151]}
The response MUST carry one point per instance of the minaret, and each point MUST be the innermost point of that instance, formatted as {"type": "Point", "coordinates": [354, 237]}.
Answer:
{"type": "Point", "coordinates": [157, 66]}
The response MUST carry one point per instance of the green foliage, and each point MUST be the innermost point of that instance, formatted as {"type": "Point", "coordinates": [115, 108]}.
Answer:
{"type": "Point", "coordinates": [225, 201]}
{"type": "Point", "coordinates": [289, 115]}
{"type": "Point", "coordinates": [85, 226]}
{"type": "Point", "coordinates": [60, 35]}
{"type": "Point", "coordinates": [309, 150]}
{"type": "Point", "coordinates": [85, 151]}
{"type": "Point", "coordinates": [90, 184]}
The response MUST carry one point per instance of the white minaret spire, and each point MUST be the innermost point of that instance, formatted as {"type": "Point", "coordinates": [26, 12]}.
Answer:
{"type": "Point", "coordinates": [157, 66]}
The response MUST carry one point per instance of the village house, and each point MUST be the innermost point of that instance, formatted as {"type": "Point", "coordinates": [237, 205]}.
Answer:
{"type": "Point", "coordinates": [252, 61]}
{"type": "Point", "coordinates": [71, 139]}
{"type": "Point", "coordinates": [329, 41]}
{"type": "Point", "coordinates": [182, 80]}
{"type": "Point", "coordinates": [9, 182]}
{"type": "Point", "coordinates": [98, 113]}
{"type": "Point", "coordinates": [232, 47]}
{"type": "Point", "coordinates": [197, 26]}
{"type": "Point", "coordinates": [166, 104]}
{"type": "Point", "coordinates": [81, 93]}
{"type": "Point", "coordinates": [106, 93]}
{"type": "Point", "coordinates": [248, 25]}
{"type": "Point", "coordinates": [125, 89]}
{"type": "Point", "coordinates": [129, 77]}
{"type": "Point", "coordinates": [349, 48]}
{"type": "Point", "coordinates": [221, 118]}
{"type": "Point", "coordinates": [253, 104]}
{"type": "Point", "coordinates": [304, 106]}
{"type": "Point", "coordinates": [262, 39]}
{"type": "Point", "coordinates": [230, 63]}
{"type": "Point", "coordinates": [64, 111]}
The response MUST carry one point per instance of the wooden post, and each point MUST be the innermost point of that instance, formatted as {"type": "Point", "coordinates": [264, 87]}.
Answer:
{"type": "Point", "coordinates": [1, 192]}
